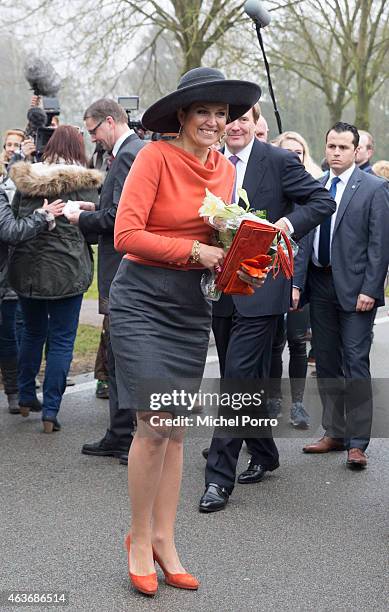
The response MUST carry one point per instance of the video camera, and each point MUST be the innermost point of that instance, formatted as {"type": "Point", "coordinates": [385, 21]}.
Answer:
{"type": "Point", "coordinates": [40, 123]}
{"type": "Point", "coordinates": [131, 103]}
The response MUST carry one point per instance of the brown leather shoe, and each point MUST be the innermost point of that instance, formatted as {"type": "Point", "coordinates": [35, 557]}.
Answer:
{"type": "Point", "coordinates": [356, 458]}
{"type": "Point", "coordinates": [324, 445]}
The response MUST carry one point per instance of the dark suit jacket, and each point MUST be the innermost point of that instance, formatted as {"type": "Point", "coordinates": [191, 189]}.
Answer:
{"type": "Point", "coordinates": [359, 248]}
{"type": "Point", "coordinates": [275, 180]}
{"type": "Point", "coordinates": [366, 167]}
{"type": "Point", "coordinates": [102, 221]}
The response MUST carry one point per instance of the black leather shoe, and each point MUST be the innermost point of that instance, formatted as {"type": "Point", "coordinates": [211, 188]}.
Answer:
{"type": "Point", "coordinates": [215, 498]}
{"type": "Point", "coordinates": [248, 451]}
{"type": "Point", "coordinates": [103, 448]}
{"type": "Point", "coordinates": [123, 459]}
{"type": "Point", "coordinates": [205, 453]}
{"type": "Point", "coordinates": [254, 472]}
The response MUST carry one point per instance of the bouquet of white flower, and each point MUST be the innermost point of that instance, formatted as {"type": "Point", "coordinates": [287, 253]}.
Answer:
{"type": "Point", "coordinates": [226, 220]}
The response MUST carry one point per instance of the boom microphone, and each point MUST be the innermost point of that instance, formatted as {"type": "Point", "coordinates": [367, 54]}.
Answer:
{"type": "Point", "coordinates": [261, 18]}
{"type": "Point", "coordinates": [255, 10]}
{"type": "Point", "coordinates": [42, 77]}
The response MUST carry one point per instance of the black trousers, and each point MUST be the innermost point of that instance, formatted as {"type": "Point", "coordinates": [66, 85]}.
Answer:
{"type": "Point", "coordinates": [342, 348]}
{"type": "Point", "coordinates": [121, 422]}
{"type": "Point", "coordinates": [221, 327]}
{"type": "Point", "coordinates": [248, 358]}
{"type": "Point", "coordinates": [293, 331]}
{"type": "Point", "coordinates": [101, 363]}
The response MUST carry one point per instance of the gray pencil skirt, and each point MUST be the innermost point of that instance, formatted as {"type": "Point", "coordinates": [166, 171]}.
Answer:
{"type": "Point", "coordinates": [159, 326]}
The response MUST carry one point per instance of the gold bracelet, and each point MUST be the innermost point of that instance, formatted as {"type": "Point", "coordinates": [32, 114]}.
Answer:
{"type": "Point", "coordinates": [195, 254]}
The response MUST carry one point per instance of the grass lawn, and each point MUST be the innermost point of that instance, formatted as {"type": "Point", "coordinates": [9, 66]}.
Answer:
{"type": "Point", "coordinates": [92, 293]}
{"type": "Point", "coordinates": [88, 338]}
{"type": "Point", "coordinates": [85, 349]}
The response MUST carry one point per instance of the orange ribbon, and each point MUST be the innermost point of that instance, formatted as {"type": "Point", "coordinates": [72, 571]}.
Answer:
{"type": "Point", "coordinates": [256, 267]}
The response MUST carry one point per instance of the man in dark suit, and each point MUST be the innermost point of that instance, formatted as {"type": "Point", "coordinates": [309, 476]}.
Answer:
{"type": "Point", "coordinates": [365, 151]}
{"type": "Point", "coordinates": [244, 326]}
{"type": "Point", "coordinates": [106, 122]}
{"type": "Point", "coordinates": [346, 265]}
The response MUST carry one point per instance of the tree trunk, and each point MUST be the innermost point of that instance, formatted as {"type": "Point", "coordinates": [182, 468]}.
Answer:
{"type": "Point", "coordinates": [335, 112]}
{"type": "Point", "coordinates": [362, 107]}
{"type": "Point", "coordinates": [362, 95]}
{"type": "Point", "coordinates": [193, 56]}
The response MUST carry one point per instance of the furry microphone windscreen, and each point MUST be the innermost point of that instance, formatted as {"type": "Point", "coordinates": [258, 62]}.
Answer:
{"type": "Point", "coordinates": [36, 117]}
{"type": "Point", "coordinates": [42, 77]}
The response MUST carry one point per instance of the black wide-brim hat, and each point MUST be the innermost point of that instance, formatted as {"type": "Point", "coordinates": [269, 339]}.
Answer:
{"type": "Point", "coordinates": [201, 85]}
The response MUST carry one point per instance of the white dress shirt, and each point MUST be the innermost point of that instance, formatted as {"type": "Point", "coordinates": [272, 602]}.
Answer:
{"type": "Point", "coordinates": [120, 141]}
{"type": "Point", "coordinates": [241, 166]}
{"type": "Point", "coordinates": [340, 187]}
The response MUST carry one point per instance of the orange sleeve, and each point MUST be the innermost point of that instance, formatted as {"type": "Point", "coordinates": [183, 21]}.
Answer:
{"type": "Point", "coordinates": [138, 196]}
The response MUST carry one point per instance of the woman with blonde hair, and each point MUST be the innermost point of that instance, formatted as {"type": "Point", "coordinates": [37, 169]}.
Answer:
{"type": "Point", "coordinates": [12, 141]}
{"type": "Point", "coordinates": [293, 141]}
{"type": "Point", "coordinates": [381, 168]}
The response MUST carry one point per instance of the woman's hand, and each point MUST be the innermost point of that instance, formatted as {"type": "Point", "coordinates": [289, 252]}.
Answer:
{"type": "Point", "coordinates": [211, 256]}
{"type": "Point", "coordinates": [28, 148]}
{"type": "Point", "coordinates": [295, 298]}
{"type": "Point", "coordinates": [90, 206]}
{"type": "Point", "coordinates": [36, 101]}
{"type": "Point", "coordinates": [55, 207]}
{"type": "Point", "coordinates": [251, 280]}
{"type": "Point", "coordinates": [73, 217]}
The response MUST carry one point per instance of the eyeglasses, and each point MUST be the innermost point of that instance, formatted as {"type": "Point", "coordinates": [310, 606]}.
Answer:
{"type": "Point", "coordinates": [93, 131]}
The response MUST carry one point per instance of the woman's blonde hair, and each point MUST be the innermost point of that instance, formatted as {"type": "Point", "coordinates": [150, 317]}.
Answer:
{"type": "Point", "coordinates": [381, 168]}
{"type": "Point", "coordinates": [3, 156]}
{"type": "Point", "coordinates": [308, 162]}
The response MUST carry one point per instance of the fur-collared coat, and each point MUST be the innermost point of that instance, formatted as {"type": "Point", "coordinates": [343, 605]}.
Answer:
{"type": "Point", "coordinates": [55, 264]}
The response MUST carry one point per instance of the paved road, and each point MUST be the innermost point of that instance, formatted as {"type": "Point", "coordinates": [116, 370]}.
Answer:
{"type": "Point", "coordinates": [89, 314]}
{"type": "Point", "coordinates": [312, 537]}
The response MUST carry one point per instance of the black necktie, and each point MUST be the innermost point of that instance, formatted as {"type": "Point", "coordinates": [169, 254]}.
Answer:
{"type": "Point", "coordinates": [325, 230]}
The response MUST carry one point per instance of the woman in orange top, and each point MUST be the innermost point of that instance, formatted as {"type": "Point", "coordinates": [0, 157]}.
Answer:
{"type": "Point", "coordinates": [159, 318]}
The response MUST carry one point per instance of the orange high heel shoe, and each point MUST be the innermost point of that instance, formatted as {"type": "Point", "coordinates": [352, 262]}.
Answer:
{"type": "Point", "coordinates": [148, 585]}
{"type": "Point", "coordinates": [180, 581]}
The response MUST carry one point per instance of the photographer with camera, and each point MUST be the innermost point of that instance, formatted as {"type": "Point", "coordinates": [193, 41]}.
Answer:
{"type": "Point", "coordinates": [13, 139]}
{"type": "Point", "coordinates": [12, 142]}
